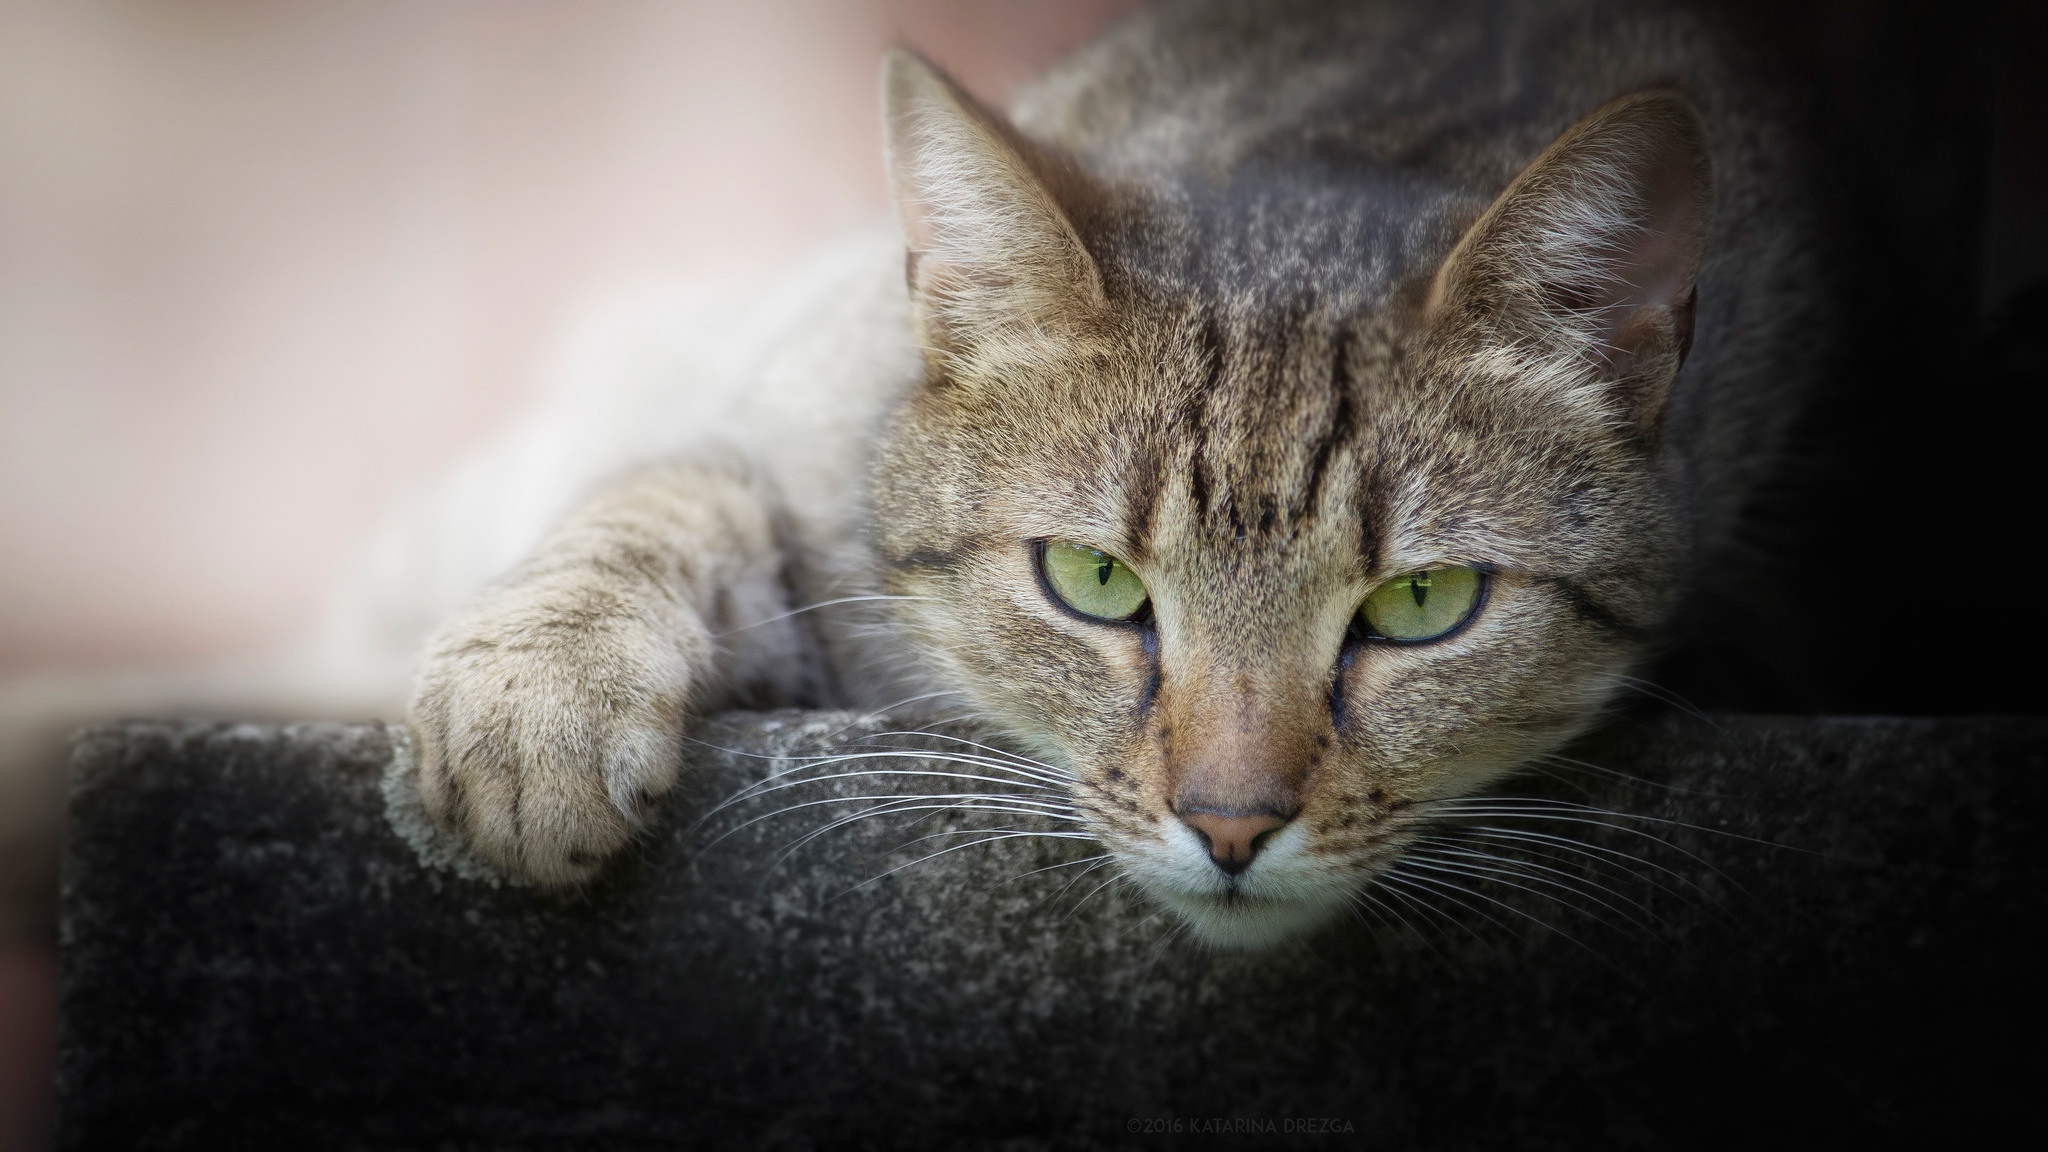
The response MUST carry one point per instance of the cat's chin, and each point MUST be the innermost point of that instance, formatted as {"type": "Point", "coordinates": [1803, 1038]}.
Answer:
{"type": "Point", "coordinates": [1286, 893]}
{"type": "Point", "coordinates": [1281, 896]}
{"type": "Point", "coordinates": [1238, 922]}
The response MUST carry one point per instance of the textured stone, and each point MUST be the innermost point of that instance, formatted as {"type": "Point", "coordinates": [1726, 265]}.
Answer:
{"type": "Point", "coordinates": [1838, 946]}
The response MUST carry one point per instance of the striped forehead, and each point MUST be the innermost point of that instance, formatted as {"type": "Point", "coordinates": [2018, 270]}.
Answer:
{"type": "Point", "coordinates": [1260, 447]}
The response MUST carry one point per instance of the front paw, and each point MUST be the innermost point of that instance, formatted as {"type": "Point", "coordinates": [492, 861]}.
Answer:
{"type": "Point", "coordinates": [547, 724]}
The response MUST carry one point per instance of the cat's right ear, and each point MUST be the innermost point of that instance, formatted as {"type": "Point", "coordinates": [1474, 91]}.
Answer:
{"type": "Point", "coordinates": [993, 257]}
{"type": "Point", "coordinates": [1581, 276]}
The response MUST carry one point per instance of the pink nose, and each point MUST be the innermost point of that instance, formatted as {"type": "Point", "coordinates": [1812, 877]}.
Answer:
{"type": "Point", "coordinates": [1232, 840]}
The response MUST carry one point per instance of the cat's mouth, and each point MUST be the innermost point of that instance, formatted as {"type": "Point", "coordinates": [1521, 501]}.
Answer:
{"type": "Point", "coordinates": [1238, 918]}
{"type": "Point", "coordinates": [1284, 892]}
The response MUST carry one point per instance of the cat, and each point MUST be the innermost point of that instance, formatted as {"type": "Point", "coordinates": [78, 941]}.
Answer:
{"type": "Point", "coordinates": [1290, 418]}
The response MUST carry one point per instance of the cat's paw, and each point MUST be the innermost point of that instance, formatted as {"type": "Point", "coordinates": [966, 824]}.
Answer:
{"type": "Point", "coordinates": [547, 724]}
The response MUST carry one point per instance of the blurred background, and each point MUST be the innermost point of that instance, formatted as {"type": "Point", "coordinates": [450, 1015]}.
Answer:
{"type": "Point", "coordinates": [267, 264]}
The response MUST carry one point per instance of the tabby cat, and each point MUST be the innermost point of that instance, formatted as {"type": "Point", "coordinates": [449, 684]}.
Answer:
{"type": "Point", "coordinates": [1298, 413]}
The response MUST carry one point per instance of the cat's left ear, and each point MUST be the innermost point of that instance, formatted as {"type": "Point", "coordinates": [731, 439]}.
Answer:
{"type": "Point", "coordinates": [993, 256]}
{"type": "Point", "coordinates": [1589, 260]}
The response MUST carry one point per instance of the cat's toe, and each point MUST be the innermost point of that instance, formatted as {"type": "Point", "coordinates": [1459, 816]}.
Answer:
{"type": "Point", "coordinates": [545, 812]}
{"type": "Point", "coordinates": [543, 786]}
{"type": "Point", "coordinates": [548, 716]}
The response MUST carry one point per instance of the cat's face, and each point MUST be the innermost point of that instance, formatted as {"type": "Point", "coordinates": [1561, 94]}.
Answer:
{"type": "Point", "coordinates": [1184, 546]}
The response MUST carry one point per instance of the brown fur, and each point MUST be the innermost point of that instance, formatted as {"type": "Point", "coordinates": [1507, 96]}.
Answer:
{"type": "Point", "coordinates": [1275, 303]}
{"type": "Point", "coordinates": [549, 713]}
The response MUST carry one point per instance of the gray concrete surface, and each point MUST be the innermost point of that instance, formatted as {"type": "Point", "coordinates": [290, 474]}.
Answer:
{"type": "Point", "coordinates": [1812, 933]}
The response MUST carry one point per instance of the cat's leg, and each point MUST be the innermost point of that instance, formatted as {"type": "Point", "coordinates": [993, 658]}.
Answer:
{"type": "Point", "coordinates": [550, 712]}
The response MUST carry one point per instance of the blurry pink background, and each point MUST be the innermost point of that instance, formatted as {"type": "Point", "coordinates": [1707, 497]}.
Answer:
{"type": "Point", "coordinates": [266, 264]}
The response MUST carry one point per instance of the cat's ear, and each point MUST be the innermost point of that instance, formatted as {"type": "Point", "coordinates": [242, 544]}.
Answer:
{"type": "Point", "coordinates": [1589, 260]}
{"type": "Point", "coordinates": [992, 253]}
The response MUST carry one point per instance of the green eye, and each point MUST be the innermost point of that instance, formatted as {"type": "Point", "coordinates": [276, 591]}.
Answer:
{"type": "Point", "coordinates": [1090, 582]}
{"type": "Point", "coordinates": [1423, 605]}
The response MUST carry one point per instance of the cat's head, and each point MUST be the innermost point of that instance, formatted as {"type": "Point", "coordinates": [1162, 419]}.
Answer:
{"type": "Point", "coordinates": [1267, 553]}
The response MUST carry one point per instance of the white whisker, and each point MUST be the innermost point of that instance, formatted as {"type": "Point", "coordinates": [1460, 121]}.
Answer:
{"type": "Point", "coordinates": [1664, 695]}
{"type": "Point", "coordinates": [1090, 895]}
{"type": "Point", "coordinates": [996, 835]}
{"type": "Point", "coordinates": [961, 801]}
{"type": "Point", "coordinates": [1094, 861]}
{"type": "Point", "coordinates": [1508, 871]}
{"type": "Point", "coordinates": [789, 778]}
{"type": "Point", "coordinates": [785, 782]}
{"type": "Point", "coordinates": [1547, 809]}
{"type": "Point", "coordinates": [813, 608]}
{"type": "Point", "coordinates": [898, 806]}
{"type": "Point", "coordinates": [1103, 861]}
{"type": "Point", "coordinates": [1588, 850]}
{"type": "Point", "coordinates": [1615, 773]}
{"type": "Point", "coordinates": [1398, 888]}
{"type": "Point", "coordinates": [1000, 753]}
{"type": "Point", "coordinates": [1450, 888]}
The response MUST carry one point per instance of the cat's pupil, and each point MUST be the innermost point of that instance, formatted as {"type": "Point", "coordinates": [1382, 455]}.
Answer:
{"type": "Point", "coordinates": [1418, 586]}
{"type": "Point", "coordinates": [1102, 572]}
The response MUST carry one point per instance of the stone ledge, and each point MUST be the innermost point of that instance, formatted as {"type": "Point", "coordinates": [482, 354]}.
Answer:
{"type": "Point", "coordinates": [254, 957]}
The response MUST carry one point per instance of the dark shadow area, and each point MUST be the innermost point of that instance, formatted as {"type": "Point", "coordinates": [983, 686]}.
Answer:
{"type": "Point", "coordinates": [1887, 569]}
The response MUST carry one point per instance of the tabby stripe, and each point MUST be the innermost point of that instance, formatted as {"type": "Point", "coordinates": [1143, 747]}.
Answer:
{"type": "Point", "coordinates": [1339, 710]}
{"type": "Point", "coordinates": [1196, 414]}
{"type": "Point", "coordinates": [1339, 429]}
{"type": "Point", "coordinates": [1372, 514]}
{"type": "Point", "coordinates": [927, 560]}
{"type": "Point", "coordinates": [1586, 608]}
{"type": "Point", "coordinates": [1151, 692]}
{"type": "Point", "coordinates": [1143, 493]}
